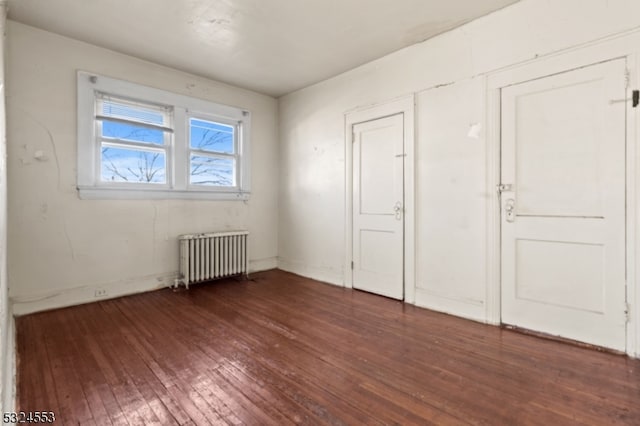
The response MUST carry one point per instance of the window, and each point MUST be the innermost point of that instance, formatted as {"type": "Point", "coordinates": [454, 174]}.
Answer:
{"type": "Point", "coordinates": [139, 142]}
{"type": "Point", "coordinates": [212, 153]}
{"type": "Point", "coordinates": [134, 140]}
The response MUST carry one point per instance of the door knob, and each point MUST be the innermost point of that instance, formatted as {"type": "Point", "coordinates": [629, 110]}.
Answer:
{"type": "Point", "coordinates": [510, 209]}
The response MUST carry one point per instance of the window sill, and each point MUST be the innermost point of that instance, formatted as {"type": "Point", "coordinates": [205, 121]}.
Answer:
{"type": "Point", "coordinates": [99, 193]}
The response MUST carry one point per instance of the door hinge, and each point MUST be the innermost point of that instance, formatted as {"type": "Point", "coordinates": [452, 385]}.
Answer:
{"type": "Point", "coordinates": [352, 265]}
{"type": "Point", "coordinates": [627, 78]}
{"type": "Point", "coordinates": [627, 312]}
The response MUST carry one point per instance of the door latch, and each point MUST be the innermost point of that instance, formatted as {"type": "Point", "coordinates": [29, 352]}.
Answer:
{"type": "Point", "coordinates": [635, 99]}
{"type": "Point", "coordinates": [397, 210]}
{"type": "Point", "coordinates": [504, 187]}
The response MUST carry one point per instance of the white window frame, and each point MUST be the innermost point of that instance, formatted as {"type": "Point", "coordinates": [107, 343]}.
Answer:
{"type": "Point", "coordinates": [90, 185]}
{"type": "Point", "coordinates": [167, 127]}
{"type": "Point", "coordinates": [236, 144]}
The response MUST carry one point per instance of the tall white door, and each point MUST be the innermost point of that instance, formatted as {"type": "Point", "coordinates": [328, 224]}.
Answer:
{"type": "Point", "coordinates": [563, 219]}
{"type": "Point", "coordinates": [378, 210]}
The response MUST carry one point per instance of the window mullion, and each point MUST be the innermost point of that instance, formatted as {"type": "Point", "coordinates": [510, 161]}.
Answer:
{"type": "Point", "coordinates": [180, 148]}
{"type": "Point", "coordinates": [169, 151]}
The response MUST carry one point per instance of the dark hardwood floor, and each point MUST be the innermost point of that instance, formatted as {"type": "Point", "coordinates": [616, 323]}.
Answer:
{"type": "Point", "coordinates": [283, 349]}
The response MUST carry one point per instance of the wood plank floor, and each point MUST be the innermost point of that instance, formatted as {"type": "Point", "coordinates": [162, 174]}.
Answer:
{"type": "Point", "coordinates": [282, 349]}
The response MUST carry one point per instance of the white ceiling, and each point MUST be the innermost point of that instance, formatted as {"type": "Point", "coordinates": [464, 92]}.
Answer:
{"type": "Point", "coordinates": [270, 46]}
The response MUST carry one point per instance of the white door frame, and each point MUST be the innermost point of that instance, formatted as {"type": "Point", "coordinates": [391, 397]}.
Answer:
{"type": "Point", "coordinates": [406, 106]}
{"type": "Point", "coordinates": [620, 46]}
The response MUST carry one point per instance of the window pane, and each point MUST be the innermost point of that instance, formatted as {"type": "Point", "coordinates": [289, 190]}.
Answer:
{"type": "Point", "coordinates": [131, 111]}
{"type": "Point", "coordinates": [210, 136]}
{"type": "Point", "coordinates": [111, 129]}
{"type": "Point", "coordinates": [132, 165]}
{"type": "Point", "coordinates": [212, 171]}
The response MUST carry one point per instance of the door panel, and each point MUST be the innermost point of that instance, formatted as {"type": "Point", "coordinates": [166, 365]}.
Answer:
{"type": "Point", "coordinates": [563, 244]}
{"type": "Point", "coordinates": [557, 136]}
{"type": "Point", "coordinates": [378, 219]}
{"type": "Point", "coordinates": [544, 275]}
{"type": "Point", "coordinates": [377, 178]}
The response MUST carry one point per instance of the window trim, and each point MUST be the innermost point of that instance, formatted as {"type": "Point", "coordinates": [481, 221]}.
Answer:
{"type": "Point", "coordinates": [178, 151]}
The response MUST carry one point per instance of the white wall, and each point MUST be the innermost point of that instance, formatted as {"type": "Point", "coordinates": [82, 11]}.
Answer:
{"type": "Point", "coordinates": [451, 202]}
{"type": "Point", "coordinates": [61, 247]}
{"type": "Point", "coordinates": [448, 74]}
{"type": "Point", "coordinates": [7, 330]}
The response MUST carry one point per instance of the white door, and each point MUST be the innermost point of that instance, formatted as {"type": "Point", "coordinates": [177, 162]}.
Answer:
{"type": "Point", "coordinates": [378, 211]}
{"type": "Point", "coordinates": [563, 219]}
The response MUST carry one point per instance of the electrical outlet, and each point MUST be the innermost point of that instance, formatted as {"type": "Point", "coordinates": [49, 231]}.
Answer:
{"type": "Point", "coordinates": [101, 292]}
